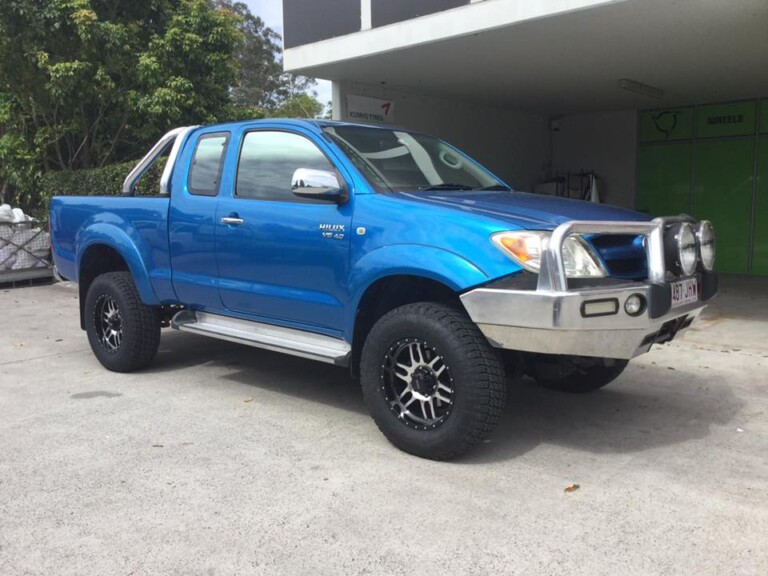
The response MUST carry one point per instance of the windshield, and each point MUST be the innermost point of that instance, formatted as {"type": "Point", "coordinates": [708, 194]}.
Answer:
{"type": "Point", "coordinates": [393, 160]}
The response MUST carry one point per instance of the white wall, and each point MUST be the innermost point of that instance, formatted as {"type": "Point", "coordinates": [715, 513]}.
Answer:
{"type": "Point", "coordinates": [605, 142]}
{"type": "Point", "coordinates": [513, 145]}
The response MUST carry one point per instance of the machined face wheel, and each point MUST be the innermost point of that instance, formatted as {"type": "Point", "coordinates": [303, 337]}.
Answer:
{"type": "Point", "coordinates": [108, 323]}
{"type": "Point", "coordinates": [417, 383]}
{"type": "Point", "coordinates": [431, 380]}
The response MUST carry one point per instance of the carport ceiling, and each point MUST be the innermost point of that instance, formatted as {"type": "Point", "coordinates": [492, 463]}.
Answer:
{"type": "Point", "coordinates": [694, 50]}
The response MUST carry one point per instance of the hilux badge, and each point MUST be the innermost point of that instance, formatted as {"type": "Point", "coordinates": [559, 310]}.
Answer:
{"type": "Point", "coordinates": [335, 231]}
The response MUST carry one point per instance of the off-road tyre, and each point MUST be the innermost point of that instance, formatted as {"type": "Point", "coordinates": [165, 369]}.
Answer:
{"type": "Point", "coordinates": [138, 324]}
{"type": "Point", "coordinates": [474, 373]}
{"type": "Point", "coordinates": [583, 380]}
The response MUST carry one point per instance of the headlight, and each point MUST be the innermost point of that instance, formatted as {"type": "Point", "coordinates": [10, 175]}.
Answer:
{"type": "Point", "coordinates": [526, 248]}
{"type": "Point", "coordinates": [681, 250]}
{"type": "Point", "coordinates": [705, 235]}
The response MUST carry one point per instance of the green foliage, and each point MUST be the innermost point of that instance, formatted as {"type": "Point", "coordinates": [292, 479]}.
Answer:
{"type": "Point", "coordinates": [91, 84]}
{"type": "Point", "coordinates": [105, 181]}
{"type": "Point", "coordinates": [87, 82]}
{"type": "Point", "coordinates": [261, 82]}
{"type": "Point", "coordinates": [299, 106]}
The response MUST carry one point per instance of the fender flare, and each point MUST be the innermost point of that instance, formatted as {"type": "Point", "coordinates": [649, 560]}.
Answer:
{"type": "Point", "coordinates": [107, 234]}
{"type": "Point", "coordinates": [430, 262]}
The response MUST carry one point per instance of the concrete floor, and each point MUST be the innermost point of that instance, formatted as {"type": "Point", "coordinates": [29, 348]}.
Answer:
{"type": "Point", "coordinates": [221, 459]}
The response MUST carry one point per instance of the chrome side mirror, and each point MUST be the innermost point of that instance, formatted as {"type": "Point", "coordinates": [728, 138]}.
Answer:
{"type": "Point", "coordinates": [319, 184]}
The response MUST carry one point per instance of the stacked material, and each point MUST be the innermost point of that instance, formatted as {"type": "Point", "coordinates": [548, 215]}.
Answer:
{"type": "Point", "coordinates": [23, 245]}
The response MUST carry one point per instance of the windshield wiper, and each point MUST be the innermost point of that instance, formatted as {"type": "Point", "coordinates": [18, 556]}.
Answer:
{"type": "Point", "coordinates": [446, 186]}
{"type": "Point", "coordinates": [495, 187]}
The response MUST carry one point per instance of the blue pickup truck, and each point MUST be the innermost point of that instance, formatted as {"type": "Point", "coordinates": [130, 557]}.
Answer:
{"type": "Point", "coordinates": [386, 251]}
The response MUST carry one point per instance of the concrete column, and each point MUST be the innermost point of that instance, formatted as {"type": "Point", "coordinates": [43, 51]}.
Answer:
{"type": "Point", "coordinates": [338, 100]}
{"type": "Point", "coordinates": [365, 14]}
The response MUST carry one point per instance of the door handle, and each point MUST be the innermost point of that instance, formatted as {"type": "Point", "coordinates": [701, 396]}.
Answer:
{"type": "Point", "coordinates": [232, 220]}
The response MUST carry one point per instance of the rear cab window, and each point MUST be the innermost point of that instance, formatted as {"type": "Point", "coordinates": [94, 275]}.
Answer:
{"type": "Point", "coordinates": [207, 163]}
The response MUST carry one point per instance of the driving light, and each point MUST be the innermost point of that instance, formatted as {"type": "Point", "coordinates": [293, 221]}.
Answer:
{"type": "Point", "coordinates": [635, 304]}
{"type": "Point", "coordinates": [680, 249]}
{"type": "Point", "coordinates": [603, 307]}
{"type": "Point", "coordinates": [526, 248]}
{"type": "Point", "coordinates": [705, 236]}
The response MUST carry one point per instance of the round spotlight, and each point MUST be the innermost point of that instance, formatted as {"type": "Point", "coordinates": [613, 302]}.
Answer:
{"type": "Point", "coordinates": [634, 305]}
{"type": "Point", "coordinates": [680, 249]}
{"type": "Point", "coordinates": [705, 236]}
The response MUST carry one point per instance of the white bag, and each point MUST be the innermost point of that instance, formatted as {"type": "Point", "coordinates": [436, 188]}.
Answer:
{"type": "Point", "coordinates": [7, 257]}
{"type": "Point", "coordinates": [5, 234]}
{"type": "Point", "coordinates": [24, 260]}
{"type": "Point", "coordinates": [31, 247]}
{"type": "Point", "coordinates": [18, 215]}
{"type": "Point", "coordinates": [6, 214]}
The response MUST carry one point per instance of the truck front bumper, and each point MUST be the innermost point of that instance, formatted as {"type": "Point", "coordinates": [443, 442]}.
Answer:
{"type": "Point", "coordinates": [586, 318]}
{"type": "Point", "coordinates": [555, 322]}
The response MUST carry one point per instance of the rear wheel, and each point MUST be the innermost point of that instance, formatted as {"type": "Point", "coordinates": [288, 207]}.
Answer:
{"type": "Point", "coordinates": [577, 375]}
{"type": "Point", "coordinates": [431, 381]}
{"type": "Point", "coordinates": [124, 333]}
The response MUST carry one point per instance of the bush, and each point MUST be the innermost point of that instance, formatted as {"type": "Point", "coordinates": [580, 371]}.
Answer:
{"type": "Point", "coordinates": [106, 181]}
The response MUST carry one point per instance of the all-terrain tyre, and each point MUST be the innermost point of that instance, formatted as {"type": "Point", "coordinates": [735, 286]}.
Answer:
{"type": "Point", "coordinates": [583, 379]}
{"type": "Point", "coordinates": [432, 383]}
{"type": "Point", "coordinates": [124, 333]}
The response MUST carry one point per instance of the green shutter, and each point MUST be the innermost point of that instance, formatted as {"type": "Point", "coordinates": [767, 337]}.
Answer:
{"type": "Point", "coordinates": [760, 246]}
{"type": "Point", "coordinates": [724, 179]}
{"type": "Point", "coordinates": [664, 186]}
{"type": "Point", "coordinates": [764, 116]}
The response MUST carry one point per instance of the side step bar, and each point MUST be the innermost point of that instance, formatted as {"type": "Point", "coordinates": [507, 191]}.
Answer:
{"type": "Point", "coordinates": [276, 338]}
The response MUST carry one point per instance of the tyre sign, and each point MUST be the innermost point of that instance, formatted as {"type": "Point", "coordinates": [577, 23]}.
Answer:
{"type": "Point", "coordinates": [364, 109]}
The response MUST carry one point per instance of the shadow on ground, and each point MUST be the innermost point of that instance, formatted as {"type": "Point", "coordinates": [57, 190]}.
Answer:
{"type": "Point", "coordinates": [280, 373]}
{"type": "Point", "coordinates": [647, 407]}
{"type": "Point", "coordinates": [641, 410]}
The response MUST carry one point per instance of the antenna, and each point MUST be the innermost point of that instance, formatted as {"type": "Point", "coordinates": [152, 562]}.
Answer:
{"type": "Point", "coordinates": [309, 116]}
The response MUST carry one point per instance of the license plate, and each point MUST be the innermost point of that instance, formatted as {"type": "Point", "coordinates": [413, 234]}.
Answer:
{"type": "Point", "coordinates": [685, 292]}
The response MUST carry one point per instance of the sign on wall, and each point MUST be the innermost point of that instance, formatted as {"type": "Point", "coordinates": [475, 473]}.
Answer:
{"type": "Point", "coordinates": [666, 124]}
{"type": "Point", "coordinates": [735, 119]}
{"type": "Point", "coordinates": [365, 109]}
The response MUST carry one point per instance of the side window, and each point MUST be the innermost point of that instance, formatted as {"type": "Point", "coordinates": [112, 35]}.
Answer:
{"type": "Point", "coordinates": [207, 161]}
{"type": "Point", "coordinates": [268, 160]}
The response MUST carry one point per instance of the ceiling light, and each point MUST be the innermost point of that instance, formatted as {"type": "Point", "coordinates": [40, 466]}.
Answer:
{"type": "Point", "coordinates": [640, 88]}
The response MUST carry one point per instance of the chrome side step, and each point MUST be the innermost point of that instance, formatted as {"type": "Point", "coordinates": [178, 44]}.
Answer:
{"type": "Point", "coordinates": [276, 338]}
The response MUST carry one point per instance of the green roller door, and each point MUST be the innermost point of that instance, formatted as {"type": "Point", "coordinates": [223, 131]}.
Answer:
{"type": "Point", "coordinates": [723, 194]}
{"type": "Point", "coordinates": [664, 185]}
{"type": "Point", "coordinates": [760, 250]}
{"type": "Point", "coordinates": [711, 161]}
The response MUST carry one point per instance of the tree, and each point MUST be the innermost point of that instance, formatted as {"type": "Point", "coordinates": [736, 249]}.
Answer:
{"type": "Point", "coordinates": [87, 82]}
{"type": "Point", "coordinates": [299, 106]}
{"type": "Point", "coordinates": [328, 115]}
{"type": "Point", "coordinates": [261, 82]}
{"type": "Point", "coordinates": [257, 58]}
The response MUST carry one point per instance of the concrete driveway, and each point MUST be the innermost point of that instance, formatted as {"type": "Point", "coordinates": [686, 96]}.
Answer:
{"type": "Point", "coordinates": [222, 459]}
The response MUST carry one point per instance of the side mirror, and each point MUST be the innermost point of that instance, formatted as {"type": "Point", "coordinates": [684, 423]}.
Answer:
{"type": "Point", "coordinates": [319, 184]}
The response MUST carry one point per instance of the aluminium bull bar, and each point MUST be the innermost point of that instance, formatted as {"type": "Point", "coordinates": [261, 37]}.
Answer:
{"type": "Point", "coordinates": [551, 319]}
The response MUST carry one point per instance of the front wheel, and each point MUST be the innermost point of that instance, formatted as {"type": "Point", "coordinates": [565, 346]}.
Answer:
{"type": "Point", "coordinates": [124, 333]}
{"type": "Point", "coordinates": [432, 383]}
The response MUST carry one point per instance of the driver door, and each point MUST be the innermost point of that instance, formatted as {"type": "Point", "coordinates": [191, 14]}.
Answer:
{"type": "Point", "coordinates": [277, 261]}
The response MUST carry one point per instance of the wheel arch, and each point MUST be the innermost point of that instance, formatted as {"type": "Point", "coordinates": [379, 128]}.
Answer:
{"type": "Point", "coordinates": [389, 292]}
{"type": "Point", "coordinates": [102, 255]}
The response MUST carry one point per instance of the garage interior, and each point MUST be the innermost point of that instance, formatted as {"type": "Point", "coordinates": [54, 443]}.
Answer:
{"type": "Point", "coordinates": [663, 101]}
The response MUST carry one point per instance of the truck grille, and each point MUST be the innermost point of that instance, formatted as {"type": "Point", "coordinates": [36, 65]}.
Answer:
{"type": "Point", "coordinates": [623, 255]}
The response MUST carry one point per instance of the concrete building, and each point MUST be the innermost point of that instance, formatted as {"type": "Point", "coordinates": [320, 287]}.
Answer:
{"type": "Point", "coordinates": [661, 99]}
